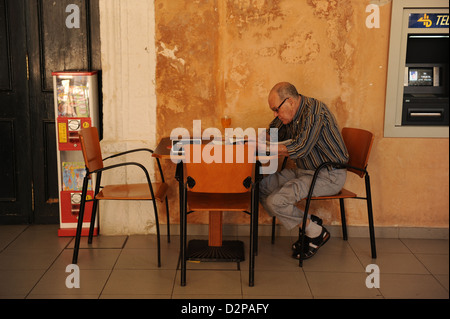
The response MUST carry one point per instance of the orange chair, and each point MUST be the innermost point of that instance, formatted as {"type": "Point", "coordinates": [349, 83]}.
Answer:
{"type": "Point", "coordinates": [90, 145]}
{"type": "Point", "coordinates": [217, 186]}
{"type": "Point", "coordinates": [359, 144]}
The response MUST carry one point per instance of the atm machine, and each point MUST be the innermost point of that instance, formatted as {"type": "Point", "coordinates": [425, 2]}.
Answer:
{"type": "Point", "coordinates": [425, 93]}
{"type": "Point", "coordinates": [417, 91]}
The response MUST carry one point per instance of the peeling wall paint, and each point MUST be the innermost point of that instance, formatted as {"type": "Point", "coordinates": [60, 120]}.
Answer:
{"type": "Point", "coordinates": [223, 56]}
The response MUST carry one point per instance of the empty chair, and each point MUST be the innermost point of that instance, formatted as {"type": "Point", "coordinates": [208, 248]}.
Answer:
{"type": "Point", "coordinates": [152, 191]}
{"type": "Point", "coordinates": [224, 182]}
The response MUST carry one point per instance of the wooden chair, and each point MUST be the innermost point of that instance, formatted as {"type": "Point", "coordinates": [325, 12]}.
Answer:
{"type": "Point", "coordinates": [90, 145]}
{"type": "Point", "coordinates": [359, 144]}
{"type": "Point", "coordinates": [217, 187]}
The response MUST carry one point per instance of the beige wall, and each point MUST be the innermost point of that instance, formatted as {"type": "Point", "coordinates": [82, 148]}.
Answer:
{"type": "Point", "coordinates": [129, 105]}
{"type": "Point", "coordinates": [223, 56]}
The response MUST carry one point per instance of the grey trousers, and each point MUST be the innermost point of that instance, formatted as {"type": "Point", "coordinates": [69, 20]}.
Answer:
{"type": "Point", "coordinates": [280, 192]}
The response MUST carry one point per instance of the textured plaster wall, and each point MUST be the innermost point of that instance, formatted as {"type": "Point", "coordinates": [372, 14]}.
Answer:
{"type": "Point", "coordinates": [129, 106]}
{"type": "Point", "coordinates": [223, 56]}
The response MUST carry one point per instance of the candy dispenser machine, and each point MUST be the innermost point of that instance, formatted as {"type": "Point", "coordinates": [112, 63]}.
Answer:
{"type": "Point", "coordinates": [76, 107]}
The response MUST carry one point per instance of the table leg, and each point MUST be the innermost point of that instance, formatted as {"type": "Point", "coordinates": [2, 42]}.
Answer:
{"type": "Point", "coordinates": [215, 229]}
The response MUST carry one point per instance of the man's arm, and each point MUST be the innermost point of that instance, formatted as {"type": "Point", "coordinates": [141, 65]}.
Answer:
{"type": "Point", "coordinates": [282, 150]}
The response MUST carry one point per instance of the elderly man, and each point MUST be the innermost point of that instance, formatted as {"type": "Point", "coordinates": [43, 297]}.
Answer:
{"type": "Point", "coordinates": [312, 137]}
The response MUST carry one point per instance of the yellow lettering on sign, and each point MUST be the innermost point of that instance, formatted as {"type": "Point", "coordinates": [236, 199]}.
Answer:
{"type": "Point", "coordinates": [426, 21]}
{"type": "Point", "coordinates": [442, 19]}
{"type": "Point", "coordinates": [62, 130]}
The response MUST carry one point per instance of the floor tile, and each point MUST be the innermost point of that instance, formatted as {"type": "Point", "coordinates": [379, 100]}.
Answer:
{"type": "Point", "coordinates": [340, 285]}
{"type": "Point", "coordinates": [333, 262]}
{"type": "Point", "coordinates": [147, 259]}
{"type": "Point", "coordinates": [33, 261]}
{"type": "Point", "coordinates": [435, 263]}
{"type": "Point", "coordinates": [395, 263]}
{"type": "Point", "coordinates": [205, 282]}
{"type": "Point", "coordinates": [150, 242]}
{"type": "Point", "coordinates": [336, 256]}
{"type": "Point", "coordinates": [61, 296]}
{"type": "Point", "coordinates": [207, 296]}
{"type": "Point", "coordinates": [105, 242]}
{"type": "Point", "coordinates": [443, 280]}
{"type": "Point", "coordinates": [276, 283]}
{"type": "Point", "coordinates": [386, 245]}
{"type": "Point", "coordinates": [336, 245]}
{"type": "Point", "coordinates": [54, 283]}
{"type": "Point", "coordinates": [427, 246]}
{"type": "Point", "coordinates": [89, 258]}
{"type": "Point", "coordinates": [18, 283]}
{"type": "Point", "coordinates": [395, 286]}
{"type": "Point", "coordinates": [22, 259]}
{"type": "Point", "coordinates": [134, 296]}
{"type": "Point", "coordinates": [140, 282]}
{"type": "Point", "coordinates": [280, 260]}
{"type": "Point", "coordinates": [8, 233]}
{"type": "Point", "coordinates": [40, 237]}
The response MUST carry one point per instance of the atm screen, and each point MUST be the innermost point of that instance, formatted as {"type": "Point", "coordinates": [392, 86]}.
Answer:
{"type": "Point", "coordinates": [420, 77]}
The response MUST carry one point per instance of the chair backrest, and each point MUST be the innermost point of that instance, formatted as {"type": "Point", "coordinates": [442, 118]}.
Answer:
{"type": "Point", "coordinates": [219, 168]}
{"type": "Point", "coordinates": [90, 145]}
{"type": "Point", "coordinates": [359, 143]}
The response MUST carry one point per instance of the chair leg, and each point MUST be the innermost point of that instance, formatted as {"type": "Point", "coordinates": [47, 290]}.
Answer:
{"type": "Point", "coordinates": [80, 221]}
{"type": "Point", "coordinates": [251, 279]}
{"type": "Point", "coordinates": [256, 212]}
{"type": "Point", "coordinates": [343, 221]}
{"type": "Point", "coordinates": [274, 220]}
{"type": "Point", "coordinates": [370, 215]}
{"type": "Point", "coordinates": [302, 234]}
{"type": "Point", "coordinates": [94, 207]}
{"type": "Point", "coordinates": [158, 235]}
{"type": "Point", "coordinates": [183, 228]}
{"type": "Point", "coordinates": [168, 220]}
{"type": "Point", "coordinates": [92, 225]}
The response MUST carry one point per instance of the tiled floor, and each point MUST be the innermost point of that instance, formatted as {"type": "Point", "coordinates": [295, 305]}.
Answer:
{"type": "Point", "coordinates": [33, 262]}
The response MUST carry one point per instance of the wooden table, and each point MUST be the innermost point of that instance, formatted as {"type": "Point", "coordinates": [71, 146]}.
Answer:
{"type": "Point", "coordinates": [163, 151]}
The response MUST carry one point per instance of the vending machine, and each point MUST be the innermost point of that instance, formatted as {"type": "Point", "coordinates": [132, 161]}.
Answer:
{"type": "Point", "coordinates": [76, 107]}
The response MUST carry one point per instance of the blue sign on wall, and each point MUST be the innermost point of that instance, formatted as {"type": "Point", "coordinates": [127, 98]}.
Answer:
{"type": "Point", "coordinates": [428, 20]}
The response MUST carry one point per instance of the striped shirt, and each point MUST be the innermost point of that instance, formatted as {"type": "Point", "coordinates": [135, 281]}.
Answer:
{"type": "Point", "coordinates": [315, 135]}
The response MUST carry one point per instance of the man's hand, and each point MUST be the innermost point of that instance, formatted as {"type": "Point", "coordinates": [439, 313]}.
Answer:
{"type": "Point", "coordinates": [282, 150]}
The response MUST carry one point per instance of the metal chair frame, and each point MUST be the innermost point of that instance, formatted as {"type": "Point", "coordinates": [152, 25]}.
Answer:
{"type": "Point", "coordinates": [362, 172]}
{"type": "Point", "coordinates": [98, 186]}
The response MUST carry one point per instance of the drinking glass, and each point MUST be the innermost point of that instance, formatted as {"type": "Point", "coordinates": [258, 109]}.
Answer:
{"type": "Point", "coordinates": [226, 123]}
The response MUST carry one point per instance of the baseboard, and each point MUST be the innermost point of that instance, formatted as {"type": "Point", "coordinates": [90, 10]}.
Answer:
{"type": "Point", "coordinates": [335, 230]}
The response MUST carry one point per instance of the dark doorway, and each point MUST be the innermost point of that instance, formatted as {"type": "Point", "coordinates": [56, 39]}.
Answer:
{"type": "Point", "coordinates": [35, 41]}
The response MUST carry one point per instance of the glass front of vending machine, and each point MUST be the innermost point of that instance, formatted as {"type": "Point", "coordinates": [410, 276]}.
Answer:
{"type": "Point", "coordinates": [76, 107]}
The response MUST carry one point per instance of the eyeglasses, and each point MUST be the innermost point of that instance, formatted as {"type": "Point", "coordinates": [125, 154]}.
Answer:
{"type": "Point", "coordinates": [278, 108]}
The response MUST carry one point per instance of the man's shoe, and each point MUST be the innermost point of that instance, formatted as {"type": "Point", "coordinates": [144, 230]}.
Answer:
{"type": "Point", "coordinates": [314, 219]}
{"type": "Point", "coordinates": [312, 245]}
